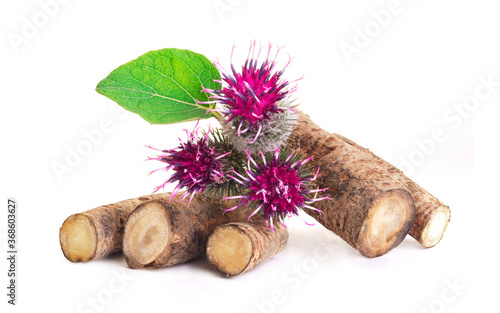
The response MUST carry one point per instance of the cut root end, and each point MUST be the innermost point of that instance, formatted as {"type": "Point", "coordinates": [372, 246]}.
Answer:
{"type": "Point", "coordinates": [146, 234]}
{"type": "Point", "coordinates": [229, 250]}
{"type": "Point", "coordinates": [389, 220]}
{"type": "Point", "coordinates": [434, 230]}
{"type": "Point", "coordinates": [78, 238]}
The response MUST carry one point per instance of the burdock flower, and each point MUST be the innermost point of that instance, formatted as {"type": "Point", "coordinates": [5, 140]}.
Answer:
{"type": "Point", "coordinates": [256, 105]}
{"type": "Point", "coordinates": [196, 164]}
{"type": "Point", "coordinates": [278, 187]}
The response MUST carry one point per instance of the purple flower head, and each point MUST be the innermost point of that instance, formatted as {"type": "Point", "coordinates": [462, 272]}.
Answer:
{"type": "Point", "coordinates": [196, 164]}
{"type": "Point", "coordinates": [255, 102]}
{"type": "Point", "coordinates": [278, 187]}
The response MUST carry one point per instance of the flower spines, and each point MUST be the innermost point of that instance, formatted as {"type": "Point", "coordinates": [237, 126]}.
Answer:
{"type": "Point", "coordinates": [234, 160]}
{"type": "Point", "coordinates": [277, 187]}
{"type": "Point", "coordinates": [254, 92]}
{"type": "Point", "coordinates": [196, 164]}
{"type": "Point", "coordinates": [253, 100]}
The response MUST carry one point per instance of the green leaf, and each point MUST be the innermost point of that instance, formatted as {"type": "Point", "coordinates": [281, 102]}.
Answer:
{"type": "Point", "coordinates": [162, 86]}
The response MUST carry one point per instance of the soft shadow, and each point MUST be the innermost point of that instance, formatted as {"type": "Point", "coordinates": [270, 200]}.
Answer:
{"type": "Point", "coordinates": [410, 244]}
{"type": "Point", "coordinates": [202, 265]}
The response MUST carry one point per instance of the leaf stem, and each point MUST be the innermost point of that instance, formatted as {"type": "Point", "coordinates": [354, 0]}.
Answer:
{"type": "Point", "coordinates": [217, 115]}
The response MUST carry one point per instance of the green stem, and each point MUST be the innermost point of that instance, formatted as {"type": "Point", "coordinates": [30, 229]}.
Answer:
{"type": "Point", "coordinates": [217, 115]}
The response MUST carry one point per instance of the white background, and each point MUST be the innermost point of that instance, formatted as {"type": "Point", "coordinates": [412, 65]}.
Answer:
{"type": "Point", "coordinates": [404, 81]}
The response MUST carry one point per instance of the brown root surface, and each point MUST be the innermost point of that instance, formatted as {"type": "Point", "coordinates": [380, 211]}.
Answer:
{"type": "Point", "coordinates": [238, 247]}
{"type": "Point", "coordinates": [98, 232]}
{"type": "Point", "coordinates": [432, 216]}
{"type": "Point", "coordinates": [160, 233]}
{"type": "Point", "coordinates": [369, 208]}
